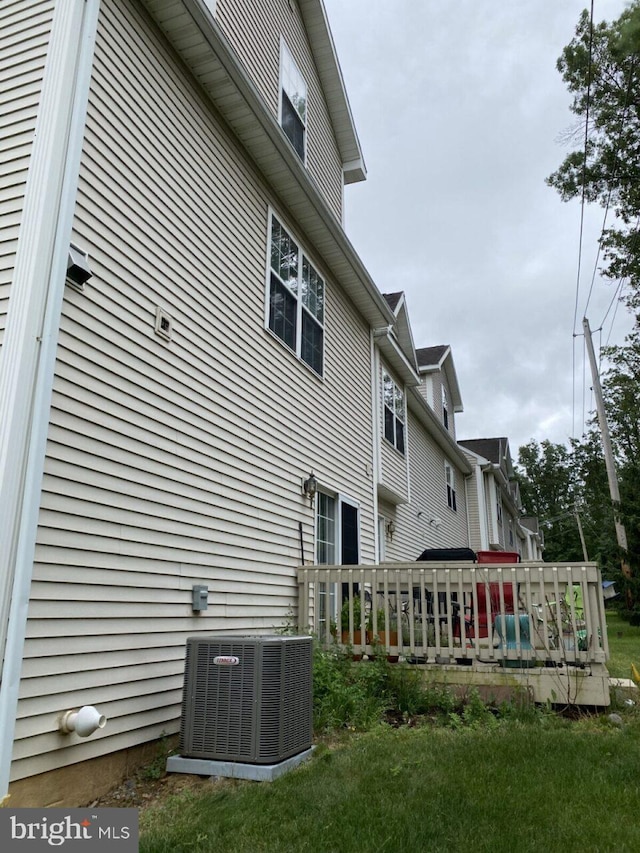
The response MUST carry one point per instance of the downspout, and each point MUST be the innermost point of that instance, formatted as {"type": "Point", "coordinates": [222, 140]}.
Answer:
{"type": "Point", "coordinates": [376, 444]}
{"type": "Point", "coordinates": [33, 322]}
{"type": "Point", "coordinates": [483, 509]}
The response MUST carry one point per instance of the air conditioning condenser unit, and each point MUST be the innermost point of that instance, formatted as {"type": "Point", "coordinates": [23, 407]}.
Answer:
{"type": "Point", "coordinates": [247, 699]}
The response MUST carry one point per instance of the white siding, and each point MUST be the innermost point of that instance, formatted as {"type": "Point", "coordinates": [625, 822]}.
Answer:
{"type": "Point", "coordinates": [473, 510]}
{"type": "Point", "coordinates": [24, 37]}
{"type": "Point", "coordinates": [170, 464]}
{"type": "Point", "coordinates": [254, 29]}
{"type": "Point", "coordinates": [429, 498]}
{"type": "Point", "coordinates": [393, 471]}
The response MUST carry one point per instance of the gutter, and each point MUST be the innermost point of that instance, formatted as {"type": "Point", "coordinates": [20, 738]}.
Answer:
{"type": "Point", "coordinates": [443, 438]}
{"type": "Point", "coordinates": [192, 20]}
{"type": "Point", "coordinates": [33, 323]}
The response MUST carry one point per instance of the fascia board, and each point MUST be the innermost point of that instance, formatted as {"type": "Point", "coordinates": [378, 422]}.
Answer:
{"type": "Point", "coordinates": [196, 36]}
{"type": "Point", "coordinates": [326, 59]}
{"type": "Point", "coordinates": [427, 417]}
{"type": "Point", "coordinates": [446, 365]}
{"type": "Point", "coordinates": [454, 386]}
{"type": "Point", "coordinates": [395, 357]}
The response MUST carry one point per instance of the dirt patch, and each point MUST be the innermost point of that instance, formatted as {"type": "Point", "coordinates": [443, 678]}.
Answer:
{"type": "Point", "coordinates": [141, 793]}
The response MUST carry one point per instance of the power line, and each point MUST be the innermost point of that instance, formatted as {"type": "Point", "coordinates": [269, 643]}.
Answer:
{"type": "Point", "coordinates": [582, 207]}
{"type": "Point", "coordinates": [614, 174]}
{"type": "Point", "coordinates": [584, 166]}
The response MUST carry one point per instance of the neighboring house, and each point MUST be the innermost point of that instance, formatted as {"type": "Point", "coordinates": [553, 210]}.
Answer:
{"type": "Point", "coordinates": [494, 500]}
{"type": "Point", "coordinates": [533, 535]}
{"type": "Point", "coordinates": [433, 513]}
{"type": "Point", "coordinates": [439, 384]}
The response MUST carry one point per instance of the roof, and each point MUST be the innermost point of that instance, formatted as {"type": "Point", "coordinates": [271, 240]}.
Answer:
{"type": "Point", "coordinates": [431, 356]}
{"type": "Point", "coordinates": [436, 429]}
{"type": "Point", "coordinates": [197, 38]}
{"type": "Point", "coordinates": [393, 299]}
{"type": "Point", "coordinates": [491, 449]}
{"type": "Point", "coordinates": [431, 359]}
{"type": "Point", "coordinates": [324, 53]}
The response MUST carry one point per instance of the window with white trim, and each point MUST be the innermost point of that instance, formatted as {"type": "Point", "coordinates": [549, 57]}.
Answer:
{"type": "Point", "coordinates": [445, 408]}
{"type": "Point", "coordinates": [394, 414]}
{"type": "Point", "coordinates": [293, 102]}
{"type": "Point", "coordinates": [450, 480]}
{"type": "Point", "coordinates": [296, 298]}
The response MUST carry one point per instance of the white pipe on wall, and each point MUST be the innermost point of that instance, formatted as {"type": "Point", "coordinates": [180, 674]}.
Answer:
{"type": "Point", "coordinates": [84, 722]}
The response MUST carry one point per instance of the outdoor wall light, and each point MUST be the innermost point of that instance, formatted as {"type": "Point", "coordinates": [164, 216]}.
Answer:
{"type": "Point", "coordinates": [310, 487]}
{"type": "Point", "coordinates": [391, 528]}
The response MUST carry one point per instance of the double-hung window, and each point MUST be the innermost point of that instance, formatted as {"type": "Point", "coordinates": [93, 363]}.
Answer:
{"type": "Point", "coordinates": [445, 408]}
{"type": "Point", "coordinates": [296, 298]}
{"type": "Point", "coordinates": [450, 480]}
{"type": "Point", "coordinates": [394, 416]}
{"type": "Point", "coordinates": [293, 102]}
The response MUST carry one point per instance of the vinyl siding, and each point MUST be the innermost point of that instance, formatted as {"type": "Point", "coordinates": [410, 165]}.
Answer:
{"type": "Point", "coordinates": [428, 496]}
{"type": "Point", "coordinates": [254, 29]}
{"type": "Point", "coordinates": [474, 509]}
{"type": "Point", "coordinates": [173, 463]}
{"type": "Point", "coordinates": [24, 38]}
{"type": "Point", "coordinates": [393, 472]}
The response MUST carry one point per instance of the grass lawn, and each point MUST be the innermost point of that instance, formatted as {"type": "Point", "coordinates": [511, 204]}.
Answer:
{"type": "Point", "coordinates": [624, 646]}
{"type": "Point", "coordinates": [473, 782]}
{"type": "Point", "coordinates": [546, 785]}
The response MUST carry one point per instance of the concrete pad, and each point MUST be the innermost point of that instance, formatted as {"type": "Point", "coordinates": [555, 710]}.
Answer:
{"type": "Point", "coordinates": [235, 769]}
{"type": "Point", "coordinates": [627, 683]}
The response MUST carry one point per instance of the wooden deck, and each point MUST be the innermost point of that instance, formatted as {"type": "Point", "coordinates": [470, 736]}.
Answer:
{"type": "Point", "coordinates": [535, 625]}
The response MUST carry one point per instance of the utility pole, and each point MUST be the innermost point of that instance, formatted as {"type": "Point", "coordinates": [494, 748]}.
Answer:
{"type": "Point", "coordinates": [614, 491]}
{"type": "Point", "coordinates": [581, 532]}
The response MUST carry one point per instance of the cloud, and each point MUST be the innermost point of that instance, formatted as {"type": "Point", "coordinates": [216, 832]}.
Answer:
{"type": "Point", "coordinates": [459, 107]}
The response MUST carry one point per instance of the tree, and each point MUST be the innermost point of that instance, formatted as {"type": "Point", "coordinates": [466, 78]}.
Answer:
{"type": "Point", "coordinates": [601, 67]}
{"type": "Point", "coordinates": [548, 491]}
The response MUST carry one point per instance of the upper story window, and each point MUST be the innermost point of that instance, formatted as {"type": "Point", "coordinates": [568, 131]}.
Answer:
{"type": "Point", "coordinates": [293, 102]}
{"type": "Point", "coordinates": [445, 408]}
{"type": "Point", "coordinates": [450, 479]}
{"type": "Point", "coordinates": [394, 417]}
{"type": "Point", "coordinates": [296, 298]}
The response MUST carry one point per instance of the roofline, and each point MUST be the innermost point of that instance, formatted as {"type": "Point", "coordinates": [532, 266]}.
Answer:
{"type": "Point", "coordinates": [198, 39]}
{"type": "Point", "coordinates": [394, 354]}
{"type": "Point", "coordinates": [495, 469]}
{"type": "Point", "coordinates": [437, 431]}
{"type": "Point", "coordinates": [330, 73]}
{"type": "Point", "coordinates": [445, 363]}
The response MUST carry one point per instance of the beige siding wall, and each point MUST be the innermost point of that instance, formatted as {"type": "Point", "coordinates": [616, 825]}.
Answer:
{"type": "Point", "coordinates": [429, 498]}
{"type": "Point", "coordinates": [430, 388]}
{"type": "Point", "coordinates": [24, 37]}
{"type": "Point", "coordinates": [474, 509]}
{"type": "Point", "coordinates": [173, 463]}
{"type": "Point", "coordinates": [254, 29]}
{"type": "Point", "coordinates": [393, 465]}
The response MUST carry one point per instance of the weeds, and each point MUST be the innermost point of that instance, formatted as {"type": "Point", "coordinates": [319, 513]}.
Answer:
{"type": "Point", "coordinates": [358, 696]}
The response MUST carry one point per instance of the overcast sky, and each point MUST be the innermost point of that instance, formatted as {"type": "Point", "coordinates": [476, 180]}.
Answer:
{"type": "Point", "coordinates": [459, 108]}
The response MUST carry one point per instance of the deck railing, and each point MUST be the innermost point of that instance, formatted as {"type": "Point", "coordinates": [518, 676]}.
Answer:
{"type": "Point", "coordinates": [516, 615]}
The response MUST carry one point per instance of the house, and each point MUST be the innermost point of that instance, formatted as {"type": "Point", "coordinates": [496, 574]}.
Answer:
{"type": "Point", "coordinates": [495, 511]}
{"type": "Point", "coordinates": [201, 387]}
